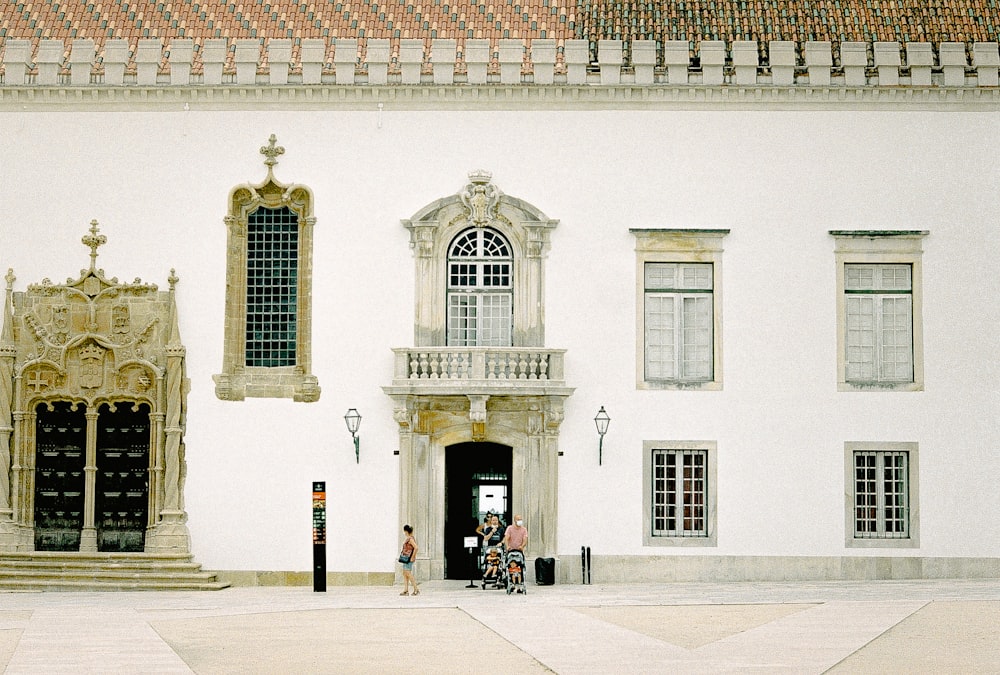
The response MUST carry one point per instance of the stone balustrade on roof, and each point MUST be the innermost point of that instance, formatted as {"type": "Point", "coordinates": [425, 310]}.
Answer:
{"type": "Point", "coordinates": [443, 61]}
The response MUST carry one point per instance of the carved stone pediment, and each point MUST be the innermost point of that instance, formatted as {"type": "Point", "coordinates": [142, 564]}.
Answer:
{"type": "Point", "coordinates": [92, 337]}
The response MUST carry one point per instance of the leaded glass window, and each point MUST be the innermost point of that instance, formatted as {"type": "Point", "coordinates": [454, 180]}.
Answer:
{"type": "Point", "coordinates": [678, 321]}
{"type": "Point", "coordinates": [881, 495]}
{"type": "Point", "coordinates": [480, 289]}
{"type": "Point", "coordinates": [272, 287]}
{"type": "Point", "coordinates": [680, 493]}
{"type": "Point", "coordinates": [879, 322]}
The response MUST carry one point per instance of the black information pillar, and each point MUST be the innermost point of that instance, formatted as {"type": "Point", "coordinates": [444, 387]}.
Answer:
{"type": "Point", "coordinates": [319, 536]}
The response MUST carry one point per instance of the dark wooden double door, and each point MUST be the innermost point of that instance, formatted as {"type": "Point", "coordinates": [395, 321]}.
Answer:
{"type": "Point", "coordinates": [120, 483]}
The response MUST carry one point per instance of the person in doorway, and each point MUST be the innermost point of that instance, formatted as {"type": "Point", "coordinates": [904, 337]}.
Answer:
{"type": "Point", "coordinates": [482, 526]}
{"type": "Point", "coordinates": [492, 532]}
{"type": "Point", "coordinates": [516, 536]}
{"type": "Point", "coordinates": [409, 552]}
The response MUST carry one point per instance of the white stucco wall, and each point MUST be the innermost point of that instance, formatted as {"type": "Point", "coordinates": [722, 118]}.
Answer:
{"type": "Point", "coordinates": [157, 182]}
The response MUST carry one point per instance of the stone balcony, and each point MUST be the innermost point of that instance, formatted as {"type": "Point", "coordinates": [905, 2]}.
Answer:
{"type": "Point", "coordinates": [445, 371]}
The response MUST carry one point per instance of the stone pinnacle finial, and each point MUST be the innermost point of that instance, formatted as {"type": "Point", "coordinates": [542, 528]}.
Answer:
{"type": "Point", "coordinates": [272, 151]}
{"type": "Point", "coordinates": [94, 240]}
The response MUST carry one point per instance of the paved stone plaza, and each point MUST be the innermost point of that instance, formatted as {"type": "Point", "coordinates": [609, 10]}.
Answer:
{"type": "Point", "coordinates": [865, 627]}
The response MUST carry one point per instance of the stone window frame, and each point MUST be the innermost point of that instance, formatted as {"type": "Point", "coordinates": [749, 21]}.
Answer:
{"type": "Point", "coordinates": [711, 494]}
{"type": "Point", "coordinates": [479, 204]}
{"type": "Point", "coordinates": [913, 494]}
{"type": "Point", "coordinates": [237, 380]}
{"type": "Point", "coordinates": [678, 245]}
{"type": "Point", "coordinates": [880, 247]}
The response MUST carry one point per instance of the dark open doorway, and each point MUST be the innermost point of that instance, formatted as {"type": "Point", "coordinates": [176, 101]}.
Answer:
{"type": "Point", "coordinates": [477, 481]}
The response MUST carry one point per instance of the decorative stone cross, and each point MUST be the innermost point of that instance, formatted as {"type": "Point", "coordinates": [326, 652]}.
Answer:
{"type": "Point", "coordinates": [94, 240]}
{"type": "Point", "coordinates": [272, 151]}
{"type": "Point", "coordinates": [37, 382]}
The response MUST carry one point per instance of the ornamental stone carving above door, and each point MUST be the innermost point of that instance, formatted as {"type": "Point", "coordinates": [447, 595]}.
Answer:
{"type": "Point", "coordinates": [97, 345]}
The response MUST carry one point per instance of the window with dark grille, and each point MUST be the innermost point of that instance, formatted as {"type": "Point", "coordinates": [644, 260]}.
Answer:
{"type": "Point", "coordinates": [680, 491]}
{"type": "Point", "coordinates": [881, 495]}
{"type": "Point", "coordinates": [272, 287]}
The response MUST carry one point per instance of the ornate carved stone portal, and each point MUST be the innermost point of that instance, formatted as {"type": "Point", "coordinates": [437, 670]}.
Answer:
{"type": "Point", "coordinates": [92, 412]}
{"type": "Point", "coordinates": [451, 398]}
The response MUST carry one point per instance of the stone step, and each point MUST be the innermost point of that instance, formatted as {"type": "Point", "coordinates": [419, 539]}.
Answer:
{"type": "Point", "coordinates": [110, 585]}
{"type": "Point", "coordinates": [103, 571]}
{"type": "Point", "coordinates": [87, 565]}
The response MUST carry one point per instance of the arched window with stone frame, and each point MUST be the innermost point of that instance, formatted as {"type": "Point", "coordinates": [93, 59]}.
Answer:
{"type": "Point", "coordinates": [480, 289]}
{"type": "Point", "coordinates": [501, 240]}
{"type": "Point", "coordinates": [267, 351]}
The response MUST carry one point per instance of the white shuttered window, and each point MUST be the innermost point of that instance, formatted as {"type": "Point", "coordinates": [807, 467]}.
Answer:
{"type": "Point", "coordinates": [879, 322]}
{"type": "Point", "coordinates": [678, 321]}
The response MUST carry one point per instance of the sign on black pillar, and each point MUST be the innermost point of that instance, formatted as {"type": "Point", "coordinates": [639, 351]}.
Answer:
{"type": "Point", "coordinates": [319, 536]}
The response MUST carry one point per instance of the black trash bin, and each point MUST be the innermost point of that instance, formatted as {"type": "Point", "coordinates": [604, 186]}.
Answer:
{"type": "Point", "coordinates": [545, 571]}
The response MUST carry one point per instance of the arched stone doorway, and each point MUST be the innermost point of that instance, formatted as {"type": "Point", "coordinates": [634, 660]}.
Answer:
{"type": "Point", "coordinates": [92, 406]}
{"type": "Point", "coordinates": [477, 482]}
{"type": "Point", "coordinates": [431, 424]}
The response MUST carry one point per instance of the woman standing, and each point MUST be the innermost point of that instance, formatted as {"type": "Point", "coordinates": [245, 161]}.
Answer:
{"type": "Point", "coordinates": [409, 552]}
{"type": "Point", "coordinates": [492, 532]}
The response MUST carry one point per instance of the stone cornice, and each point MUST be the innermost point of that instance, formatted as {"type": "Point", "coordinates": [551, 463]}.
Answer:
{"type": "Point", "coordinates": [393, 98]}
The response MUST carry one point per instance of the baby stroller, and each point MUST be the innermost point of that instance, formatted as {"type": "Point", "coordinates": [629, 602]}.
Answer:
{"type": "Point", "coordinates": [514, 572]}
{"type": "Point", "coordinates": [492, 567]}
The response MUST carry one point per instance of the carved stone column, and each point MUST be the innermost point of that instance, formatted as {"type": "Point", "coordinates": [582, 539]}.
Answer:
{"type": "Point", "coordinates": [8, 354]}
{"type": "Point", "coordinates": [155, 466]}
{"type": "Point", "coordinates": [543, 456]}
{"type": "Point", "coordinates": [23, 469]}
{"type": "Point", "coordinates": [6, 430]}
{"type": "Point", "coordinates": [171, 532]}
{"type": "Point", "coordinates": [88, 536]}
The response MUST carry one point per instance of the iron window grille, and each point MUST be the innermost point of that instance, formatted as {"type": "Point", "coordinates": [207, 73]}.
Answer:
{"type": "Point", "coordinates": [680, 493]}
{"type": "Point", "coordinates": [881, 495]}
{"type": "Point", "coordinates": [272, 287]}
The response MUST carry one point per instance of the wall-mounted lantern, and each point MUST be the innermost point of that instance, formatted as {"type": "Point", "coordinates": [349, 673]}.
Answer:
{"type": "Point", "coordinates": [353, 419]}
{"type": "Point", "coordinates": [602, 421]}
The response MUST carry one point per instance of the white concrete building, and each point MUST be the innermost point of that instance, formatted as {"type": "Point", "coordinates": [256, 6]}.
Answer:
{"type": "Point", "coordinates": [780, 294]}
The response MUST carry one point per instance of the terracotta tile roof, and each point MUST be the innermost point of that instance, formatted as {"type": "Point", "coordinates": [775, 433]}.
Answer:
{"type": "Point", "coordinates": [693, 20]}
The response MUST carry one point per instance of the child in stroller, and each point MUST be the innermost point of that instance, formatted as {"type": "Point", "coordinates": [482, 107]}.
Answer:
{"type": "Point", "coordinates": [514, 577]}
{"type": "Point", "coordinates": [491, 567]}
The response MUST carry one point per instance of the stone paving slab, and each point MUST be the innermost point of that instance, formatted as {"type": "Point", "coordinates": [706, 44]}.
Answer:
{"type": "Point", "coordinates": [811, 641]}
{"type": "Point", "coordinates": [691, 626]}
{"type": "Point", "coordinates": [343, 641]}
{"type": "Point", "coordinates": [745, 627]}
{"type": "Point", "coordinates": [943, 637]}
{"type": "Point", "coordinates": [92, 640]}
